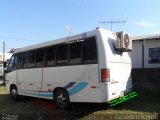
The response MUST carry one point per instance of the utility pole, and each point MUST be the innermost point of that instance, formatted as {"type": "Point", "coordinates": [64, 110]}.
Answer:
{"type": "Point", "coordinates": [4, 47]}
{"type": "Point", "coordinates": [112, 22]}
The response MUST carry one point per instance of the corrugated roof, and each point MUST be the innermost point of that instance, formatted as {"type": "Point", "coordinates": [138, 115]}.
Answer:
{"type": "Point", "coordinates": [146, 37]}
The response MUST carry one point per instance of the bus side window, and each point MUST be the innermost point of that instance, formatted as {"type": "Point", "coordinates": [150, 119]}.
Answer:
{"type": "Point", "coordinates": [75, 52]}
{"type": "Point", "coordinates": [19, 59]}
{"type": "Point", "coordinates": [12, 63]}
{"type": "Point", "coordinates": [24, 62]}
{"type": "Point", "coordinates": [62, 55]}
{"type": "Point", "coordinates": [40, 57]}
{"type": "Point", "coordinates": [31, 58]}
{"type": "Point", "coordinates": [50, 56]}
{"type": "Point", "coordinates": [89, 50]}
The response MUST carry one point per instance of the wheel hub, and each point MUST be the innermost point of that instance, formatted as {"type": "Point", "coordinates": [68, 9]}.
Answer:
{"type": "Point", "coordinates": [61, 99]}
{"type": "Point", "coordinates": [14, 92]}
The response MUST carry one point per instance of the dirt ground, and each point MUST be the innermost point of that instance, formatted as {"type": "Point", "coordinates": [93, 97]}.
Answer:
{"type": "Point", "coordinates": [40, 109]}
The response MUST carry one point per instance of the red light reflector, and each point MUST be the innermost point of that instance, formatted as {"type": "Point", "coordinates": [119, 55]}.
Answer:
{"type": "Point", "coordinates": [93, 86]}
{"type": "Point", "coordinates": [105, 75]}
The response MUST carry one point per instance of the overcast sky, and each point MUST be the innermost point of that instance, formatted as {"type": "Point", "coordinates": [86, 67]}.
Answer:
{"type": "Point", "coordinates": [27, 22]}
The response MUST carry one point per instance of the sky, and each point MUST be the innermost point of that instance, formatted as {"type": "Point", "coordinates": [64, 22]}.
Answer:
{"type": "Point", "coordinates": [28, 22]}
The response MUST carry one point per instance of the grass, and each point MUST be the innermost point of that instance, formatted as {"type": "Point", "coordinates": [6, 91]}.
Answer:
{"type": "Point", "coordinates": [3, 90]}
{"type": "Point", "coordinates": [111, 114]}
{"type": "Point", "coordinates": [144, 104]}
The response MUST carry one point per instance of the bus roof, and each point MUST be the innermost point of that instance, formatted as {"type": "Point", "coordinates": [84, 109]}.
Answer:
{"type": "Point", "coordinates": [56, 41]}
{"type": "Point", "coordinates": [61, 40]}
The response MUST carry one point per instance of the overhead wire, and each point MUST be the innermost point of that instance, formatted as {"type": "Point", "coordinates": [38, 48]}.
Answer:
{"type": "Point", "coordinates": [2, 37]}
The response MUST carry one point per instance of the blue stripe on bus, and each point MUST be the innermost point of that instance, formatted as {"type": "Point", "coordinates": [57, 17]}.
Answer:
{"type": "Point", "coordinates": [43, 95]}
{"type": "Point", "coordinates": [80, 86]}
{"type": "Point", "coordinates": [49, 94]}
{"type": "Point", "coordinates": [77, 88]}
{"type": "Point", "coordinates": [69, 85]}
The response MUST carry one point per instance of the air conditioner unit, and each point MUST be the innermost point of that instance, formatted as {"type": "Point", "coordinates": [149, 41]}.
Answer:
{"type": "Point", "coordinates": [123, 42]}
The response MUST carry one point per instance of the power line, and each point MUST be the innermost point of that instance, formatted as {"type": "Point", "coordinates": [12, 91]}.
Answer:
{"type": "Point", "coordinates": [1, 37]}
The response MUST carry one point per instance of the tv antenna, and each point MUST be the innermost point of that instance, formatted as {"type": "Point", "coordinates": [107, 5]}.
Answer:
{"type": "Point", "coordinates": [111, 22]}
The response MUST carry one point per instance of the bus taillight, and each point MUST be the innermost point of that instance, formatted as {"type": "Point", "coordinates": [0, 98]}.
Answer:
{"type": "Point", "coordinates": [105, 75]}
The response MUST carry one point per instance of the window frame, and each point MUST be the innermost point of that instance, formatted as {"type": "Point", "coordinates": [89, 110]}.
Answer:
{"type": "Point", "coordinates": [67, 55]}
{"type": "Point", "coordinates": [15, 64]}
{"type": "Point", "coordinates": [18, 55]}
{"type": "Point", "coordinates": [81, 52]}
{"type": "Point", "coordinates": [44, 57]}
{"type": "Point", "coordinates": [67, 63]}
{"type": "Point", "coordinates": [90, 61]}
{"type": "Point", "coordinates": [28, 59]}
{"type": "Point", "coordinates": [150, 56]}
{"type": "Point", "coordinates": [55, 49]}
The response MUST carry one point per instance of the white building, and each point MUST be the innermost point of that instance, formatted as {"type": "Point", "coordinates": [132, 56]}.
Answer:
{"type": "Point", "coordinates": [146, 52]}
{"type": "Point", "coordinates": [7, 56]}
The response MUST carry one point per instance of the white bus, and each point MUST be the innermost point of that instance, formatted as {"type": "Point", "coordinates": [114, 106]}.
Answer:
{"type": "Point", "coordinates": [94, 66]}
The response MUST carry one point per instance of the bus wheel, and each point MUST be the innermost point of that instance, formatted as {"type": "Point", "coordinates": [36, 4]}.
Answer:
{"type": "Point", "coordinates": [61, 98]}
{"type": "Point", "coordinates": [14, 92]}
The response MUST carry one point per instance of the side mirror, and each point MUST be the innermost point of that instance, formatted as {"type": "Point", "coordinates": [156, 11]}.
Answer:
{"type": "Point", "coordinates": [5, 67]}
{"type": "Point", "coordinates": [5, 70]}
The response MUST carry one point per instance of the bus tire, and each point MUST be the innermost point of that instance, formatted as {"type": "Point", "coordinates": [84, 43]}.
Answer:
{"type": "Point", "coordinates": [61, 98]}
{"type": "Point", "coordinates": [14, 92]}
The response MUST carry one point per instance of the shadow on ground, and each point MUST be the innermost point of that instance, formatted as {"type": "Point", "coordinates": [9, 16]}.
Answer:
{"type": "Point", "coordinates": [34, 108]}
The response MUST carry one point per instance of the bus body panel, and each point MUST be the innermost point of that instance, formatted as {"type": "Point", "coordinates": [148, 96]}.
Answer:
{"type": "Point", "coordinates": [119, 64]}
{"type": "Point", "coordinates": [29, 80]}
{"type": "Point", "coordinates": [76, 74]}
{"type": "Point", "coordinates": [11, 79]}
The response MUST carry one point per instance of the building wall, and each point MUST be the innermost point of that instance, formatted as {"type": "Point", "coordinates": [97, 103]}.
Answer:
{"type": "Point", "coordinates": [136, 54]}
{"type": "Point", "coordinates": [148, 78]}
